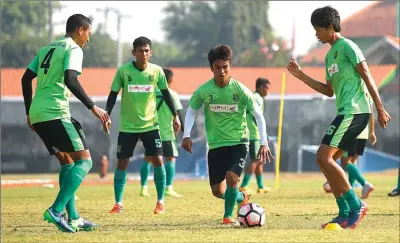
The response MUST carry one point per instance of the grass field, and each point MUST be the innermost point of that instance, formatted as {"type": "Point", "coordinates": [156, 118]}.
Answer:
{"type": "Point", "coordinates": [294, 214]}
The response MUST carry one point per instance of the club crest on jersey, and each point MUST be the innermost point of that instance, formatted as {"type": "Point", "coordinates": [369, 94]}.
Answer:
{"type": "Point", "coordinates": [151, 78]}
{"type": "Point", "coordinates": [235, 98]}
{"type": "Point", "coordinates": [335, 55]}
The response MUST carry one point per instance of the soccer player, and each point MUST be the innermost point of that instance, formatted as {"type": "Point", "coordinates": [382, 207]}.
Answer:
{"type": "Point", "coordinates": [167, 134]}
{"type": "Point", "coordinates": [255, 166]}
{"type": "Point", "coordinates": [57, 67]}
{"type": "Point", "coordinates": [225, 103]}
{"type": "Point", "coordinates": [346, 69]}
{"type": "Point", "coordinates": [138, 118]}
{"type": "Point", "coordinates": [350, 158]}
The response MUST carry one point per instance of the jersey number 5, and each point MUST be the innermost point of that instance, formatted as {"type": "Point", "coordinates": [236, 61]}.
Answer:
{"type": "Point", "coordinates": [46, 61]}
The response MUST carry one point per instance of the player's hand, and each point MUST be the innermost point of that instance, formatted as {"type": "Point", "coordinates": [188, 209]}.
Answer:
{"type": "Point", "coordinates": [264, 154]}
{"type": "Point", "coordinates": [187, 144]}
{"type": "Point", "coordinates": [107, 126]}
{"type": "Point", "coordinates": [294, 68]}
{"type": "Point", "coordinates": [372, 138]}
{"type": "Point", "coordinates": [383, 118]}
{"type": "Point", "coordinates": [177, 124]}
{"type": "Point", "coordinates": [28, 121]}
{"type": "Point", "coordinates": [101, 114]}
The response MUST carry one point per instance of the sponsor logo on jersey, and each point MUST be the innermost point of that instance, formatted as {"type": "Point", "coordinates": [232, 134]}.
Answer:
{"type": "Point", "coordinates": [333, 69]}
{"type": "Point", "coordinates": [224, 108]}
{"type": "Point", "coordinates": [137, 88]}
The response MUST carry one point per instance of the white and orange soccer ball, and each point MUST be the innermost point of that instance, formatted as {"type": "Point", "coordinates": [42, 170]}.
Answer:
{"type": "Point", "coordinates": [251, 215]}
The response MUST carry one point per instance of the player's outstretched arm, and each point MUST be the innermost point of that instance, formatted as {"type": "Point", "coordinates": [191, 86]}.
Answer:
{"type": "Point", "coordinates": [264, 152]}
{"type": "Point", "coordinates": [170, 103]}
{"type": "Point", "coordinates": [26, 82]}
{"type": "Point", "coordinates": [72, 83]}
{"type": "Point", "coordinates": [189, 122]}
{"type": "Point", "coordinates": [294, 68]}
{"type": "Point", "coordinates": [383, 115]}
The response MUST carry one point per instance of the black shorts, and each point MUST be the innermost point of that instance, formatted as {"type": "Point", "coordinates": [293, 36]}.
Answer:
{"type": "Point", "coordinates": [253, 150]}
{"type": "Point", "coordinates": [127, 143]}
{"type": "Point", "coordinates": [344, 130]}
{"type": "Point", "coordinates": [170, 149]}
{"type": "Point", "coordinates": [224, 159]}
{"type": "Point", "coordinates": [356, 148]}
{"type": "Point", "coordinates": [65, 135]}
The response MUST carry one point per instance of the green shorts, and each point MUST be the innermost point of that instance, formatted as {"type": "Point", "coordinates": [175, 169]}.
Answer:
{"type": "Point", "coordinates": [253, 149]}
{"type": "Point", "coordinates": [344, 130]}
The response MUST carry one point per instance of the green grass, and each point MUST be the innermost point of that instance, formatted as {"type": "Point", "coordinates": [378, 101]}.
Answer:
{"type": "Point", "coordinates": [294, 214]}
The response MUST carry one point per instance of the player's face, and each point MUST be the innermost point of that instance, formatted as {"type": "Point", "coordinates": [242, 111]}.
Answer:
{"type": "Point", "coordinates": [264, 90]}
{"type": "Point", "coordinates": [142, 53]}
{"type": "Point", "coordinates": [221, 69]}
{"type": "Point", "coordinates": [83, 36]}
{"type": "Point", "coordinates": [323, 34]}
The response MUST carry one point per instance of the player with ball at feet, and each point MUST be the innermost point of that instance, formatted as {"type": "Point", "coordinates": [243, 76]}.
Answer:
{"type": "Point", "coordinates": [225, 102]}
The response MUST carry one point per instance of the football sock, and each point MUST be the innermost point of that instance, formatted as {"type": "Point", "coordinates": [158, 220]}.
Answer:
{"type": "Point", "coordinates": [231, 195]}
{"type": "Point", "coordinates": [72, 181]}
{"type": "Point", "coordinates": [159, 180]}
{"type": "Point", "coordinates": [119, 184]}
{"type": "Point", "coordinates": [170, 170]}
{"type": "Point", "coordinates": [144, 173]}
{"type": "Point", "coordinates": [352, 200]}
{"type": "Point", "coordinates": [246, 180]}
{"type": "Point", "coordinates": [259, 179]}
{"type": "Point", "coordinates": [344, 209]}
{"type": "Point", "coordinates": [70, 206]}
{"type": "Point", "coordinates": [354, 174]}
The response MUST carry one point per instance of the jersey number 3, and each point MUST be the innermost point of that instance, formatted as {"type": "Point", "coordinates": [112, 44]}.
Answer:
{"type": "Point", "coordinates": [46, 61]}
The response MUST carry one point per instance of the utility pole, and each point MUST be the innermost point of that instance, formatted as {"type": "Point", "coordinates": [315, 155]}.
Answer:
{"type": "Point", "coordinates": [50, 19]}
{"type": "Point", "coordinates": [105, 10]}
{"type": "Point", "coordinates": [119, 44]}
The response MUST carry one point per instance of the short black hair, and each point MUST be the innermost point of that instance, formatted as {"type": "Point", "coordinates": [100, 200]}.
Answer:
{"type": "Point", "coordinates": [261, 81]}
{"type": "Point", "coordinates": [223, 52]}
{"type": "Point", "coordinates": [141, 41]}
{"type": "Point", "coordinates": [168, 74]}
{"type": "Point", "coordinates": [76, 21]}
{"type": "Point", "coordinates": [323, 17]}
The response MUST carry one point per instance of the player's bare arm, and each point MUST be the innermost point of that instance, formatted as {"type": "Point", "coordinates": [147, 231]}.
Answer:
{"type": "Point", "coordinates": [372, 136]}
{"type": "Point", "coordinates": [189, 122]}
{"type": "Point", "coordinates": [112, 98]}
{"type": "Point", "coordinates": [26, 81]}
{"type": "Point", "coordinates": [168, 100]}
{"type": "Point", "coordinates": [294, 68]}
{"type": "Point", "coordinates": [383, 115]}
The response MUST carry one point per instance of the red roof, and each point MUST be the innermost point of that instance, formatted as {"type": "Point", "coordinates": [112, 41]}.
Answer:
{"type": "Point", "coordinates": [97, 81]}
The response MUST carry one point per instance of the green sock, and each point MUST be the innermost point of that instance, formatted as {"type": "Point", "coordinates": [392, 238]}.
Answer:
{"type": "Point", "coordinates": [231, 195]}
{"type": "Point", "coordinates": [259, 179]}
{"type": "Point", "coordinates": [344, 209]}
{"type": "Point", "coordinates": [246, 180]}
{"type": "Point", "coordinates": [72, 181]}
{"type": "Point", "coordinates": [352, 200]}
{"type": "Point", "coordinates": [355, 173]}
{"type": "Point", "coordinates": [119, 184]}
{"type": "Point", "coordinates": [170, 170]}
{"type": "Point", "coordinates": [71, 207]}
{"type": "Point", "coordinates": [144, 173]}
{"type": "Point", "coordinates": [398, 181]}
{"type": "Point", "coordinates": [240, 197]}
{"type": "Point", "coordinates": [159, 180]}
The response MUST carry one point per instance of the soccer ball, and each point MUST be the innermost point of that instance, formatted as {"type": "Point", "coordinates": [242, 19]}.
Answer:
{"type": "Point", "coordinates": [327, 187]}
{"type": "Point", "coordinates": [251, 215]}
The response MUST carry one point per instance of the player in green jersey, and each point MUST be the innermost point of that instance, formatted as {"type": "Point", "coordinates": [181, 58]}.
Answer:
{"type": "Point", "coordinates": [255, 166]}
{"type": "Point", "coordinates": [225, 103]}
{"type": "Point", "coordinates": [138, 117]}
{"type": "Point", "coordinates": [57, 67]}
{"type": "Point", "coordinates": [347, 75]}
{"type": "Point", "coordinates": [167, 134]}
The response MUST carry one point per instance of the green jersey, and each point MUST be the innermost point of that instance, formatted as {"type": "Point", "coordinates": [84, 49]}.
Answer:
{"type": "Point", "coordinates": [225, 112]}
{"type": "Point", "coordinates": [165, 116]}
{"type": "Point", "coordinates": [350, 91]}
{"type": "Point", "coordinates": [251, 121]}
{"type": "Point", "coordinates": [51, 99]}
{"type": "Point", "coordinates": [138, 103]}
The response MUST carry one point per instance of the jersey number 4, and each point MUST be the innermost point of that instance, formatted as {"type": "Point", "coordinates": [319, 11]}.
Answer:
{"type": "Point", "coordinates": [46, 61]}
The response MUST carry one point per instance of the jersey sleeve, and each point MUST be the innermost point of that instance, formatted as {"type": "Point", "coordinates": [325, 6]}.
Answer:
{"type": "Point", "coordinates": [353, 53]}
{"type": "Point", "coordinates": [196, 100]}
{"type": "Point", "coordinates": [249, 99]}
{"type": "Point", "coordinates": [73, 60]}
{"type": "Point", "coordinates": [177, 101]}
{"type": "Point", "coordinates": [34, 65]}
{"type": "Point", "coordinates": [117, 83]}
{"type": "Point", "coordinates": [162, 80]}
